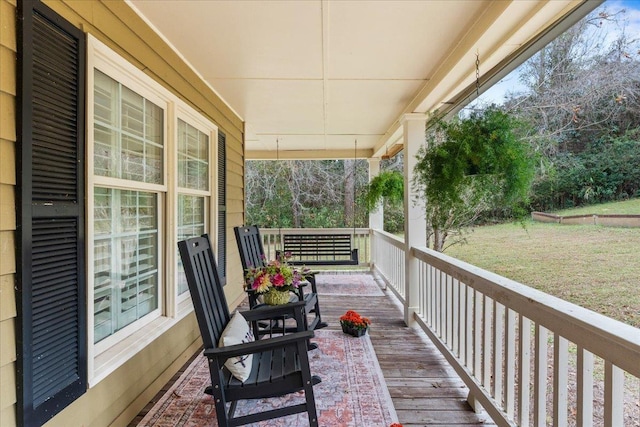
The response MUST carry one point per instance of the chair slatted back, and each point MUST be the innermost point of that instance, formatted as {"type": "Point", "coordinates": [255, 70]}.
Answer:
{"type": "Point", "coordinates": [207, 294]}
{"type": "Point", "coordinates": [250, 246]}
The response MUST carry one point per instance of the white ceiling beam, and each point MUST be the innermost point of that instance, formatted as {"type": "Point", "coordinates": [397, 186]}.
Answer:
{"type": "Point", "coordinates": [311, 154]}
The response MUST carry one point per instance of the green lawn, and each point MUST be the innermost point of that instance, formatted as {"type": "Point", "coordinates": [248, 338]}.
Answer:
{"type": "Point", "coordinates": [628, 207]}
{"type": "Point", "coordinates": [592, 266]}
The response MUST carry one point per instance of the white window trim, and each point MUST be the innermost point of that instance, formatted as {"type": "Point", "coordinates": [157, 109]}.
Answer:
{"type": "Point", "coordinates": [112, 352]}
{"type": "Point", "coordinates": [185, 113]}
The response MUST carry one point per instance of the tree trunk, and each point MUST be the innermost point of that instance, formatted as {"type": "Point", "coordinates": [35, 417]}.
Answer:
{"type": "Point", "coordinates": [349, 192]}
{"type": "Point", "coordinates": [439, 237]}
{"type": "Point", "coordinates": [294, 187]}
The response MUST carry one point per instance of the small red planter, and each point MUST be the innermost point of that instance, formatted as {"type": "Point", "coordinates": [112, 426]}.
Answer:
{"type": "Point", "coordinates": [354, 324]}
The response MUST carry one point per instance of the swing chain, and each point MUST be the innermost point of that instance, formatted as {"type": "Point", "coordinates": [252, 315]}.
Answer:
{"type": "Point", "coordinates": [477, 74]}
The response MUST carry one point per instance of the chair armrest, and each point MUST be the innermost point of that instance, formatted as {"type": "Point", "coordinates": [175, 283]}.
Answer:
{"type": "Point", "coordinates": [258, 346]}
{"type": "Point", "coordinates": [311, 278]}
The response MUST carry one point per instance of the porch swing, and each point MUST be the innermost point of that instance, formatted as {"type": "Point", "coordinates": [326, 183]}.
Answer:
{"type": "Point", "coordinates": [323, 249]}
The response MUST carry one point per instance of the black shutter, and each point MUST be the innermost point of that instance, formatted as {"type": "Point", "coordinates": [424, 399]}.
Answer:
{"type": "Point", "coordinates": [222, 207]}
{"type": "Point", "coordinates": [52, 344]}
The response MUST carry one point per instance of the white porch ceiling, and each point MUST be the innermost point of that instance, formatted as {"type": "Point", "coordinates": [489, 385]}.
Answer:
{"type": "Point", "coordinates": [316, 75]}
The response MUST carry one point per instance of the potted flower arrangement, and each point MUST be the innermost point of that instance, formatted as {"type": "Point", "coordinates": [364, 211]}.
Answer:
{"type": "Point", "coordinates": [354, 324]}
{"type": "Point", "coordinates": [275, 279]}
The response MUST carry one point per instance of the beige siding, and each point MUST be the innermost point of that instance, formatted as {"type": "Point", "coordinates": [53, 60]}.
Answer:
{"type": "Point", "coordinates": [7, 212]}
{"type": "Point", "coordinates": [119, 397]}
{"type": "Point", "coordinates": [235, 215]}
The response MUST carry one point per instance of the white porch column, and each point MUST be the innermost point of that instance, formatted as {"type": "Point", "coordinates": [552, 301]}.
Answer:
{"type": "Point", "coordinates": [376, 217]}
{"type": "Point", "coordinates": [415, 227]}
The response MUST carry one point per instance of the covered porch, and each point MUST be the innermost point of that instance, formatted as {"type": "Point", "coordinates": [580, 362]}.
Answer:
{"type": "Point", "coordinates": [304, 80]}
{"type": "Point", "coordinates": [483, 349]}
{"type": "Point", "coordinates": [424, 388]}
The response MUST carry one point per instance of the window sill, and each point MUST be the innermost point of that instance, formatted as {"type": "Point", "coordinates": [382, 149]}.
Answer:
{"type": "Point", "coordinates": [117, 355]}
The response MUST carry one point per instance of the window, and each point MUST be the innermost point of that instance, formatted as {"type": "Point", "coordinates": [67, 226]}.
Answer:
{"type": "Point", "coordinates": [193, 158]}
{"type": "Point", "coordinates": [129, 145]}
{"type": "Point", "coordinates": [128, 133]}
{"type": "Point", "coordinates": [125, 258]}
{"type": "Point", "coordinates": [193, 187]}
{"type": "Point", "coordinates": [191, 222]}
{"type": "Point", "coordinates": [149, 185]}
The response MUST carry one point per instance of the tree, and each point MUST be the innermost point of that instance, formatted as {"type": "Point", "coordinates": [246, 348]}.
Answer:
{"type": "Point", "coordinates": [582, 86]}
{"type": "Point", "coordinates": [583, 95]}
{"type": "Point", "coordinates": [349, 191]}
{"type": "Point", "coordinates": [305, 193]}
{"type": "Point", "coordinates": [469, 167]}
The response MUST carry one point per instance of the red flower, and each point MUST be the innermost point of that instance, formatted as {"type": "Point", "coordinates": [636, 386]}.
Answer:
{"type": "Point", "coordinates": [354, 320]}
{"type": "Point", "coordinates": [277, 279]}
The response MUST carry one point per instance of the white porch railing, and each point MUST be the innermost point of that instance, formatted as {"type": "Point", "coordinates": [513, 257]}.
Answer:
{"type": "Point", "coordinates": [527, 357]}
{"type": "Point", "coordinates": [387, 257]}
{"type": "Point", "coordinates": [359, 239]}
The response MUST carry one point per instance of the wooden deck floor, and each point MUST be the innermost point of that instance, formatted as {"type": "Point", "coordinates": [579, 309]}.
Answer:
{"type": "Point", "coordinates": [425, 390]}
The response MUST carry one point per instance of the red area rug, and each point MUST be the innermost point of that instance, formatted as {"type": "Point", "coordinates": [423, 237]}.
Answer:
{"type": "Point", "coordinates": [352, 393]}
{"type": "Point", "coordinates": [348, 284]}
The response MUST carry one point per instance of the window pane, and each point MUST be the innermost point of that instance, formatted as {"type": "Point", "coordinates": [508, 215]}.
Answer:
{"type": "Point", "coordinates": [153, 163]}
{"type": "Point", "coordinates": [132, 158]}
{"type": "Point", "coordinates": [103, 150]}
{"type": "Point", "coordinates": [128, 133]}
{"type": "Point", "coordinates": [132, 108]}
{"type": "Point", "coordinates": [191, 223]}
{"type": "Point", "coordinates": [193, 157]}
{"type": "Point", "coordinates": [154, 123]}
{"type": "Point", "coordinates": [125, 258]}
{"type": "Point", "coordinates": [104, 102]}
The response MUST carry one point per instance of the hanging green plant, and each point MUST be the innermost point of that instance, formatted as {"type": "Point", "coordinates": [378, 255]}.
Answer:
{"type": "Point", "coordinates": [387, 185]}
{"type": "Point", "coordinates": [471, 166]}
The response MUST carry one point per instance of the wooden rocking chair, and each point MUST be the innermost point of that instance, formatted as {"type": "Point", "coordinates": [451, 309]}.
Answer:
{"type": "Point", "coordinates": [279, 365]}
{"type": "Point", "coordinates": [252, 255]}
